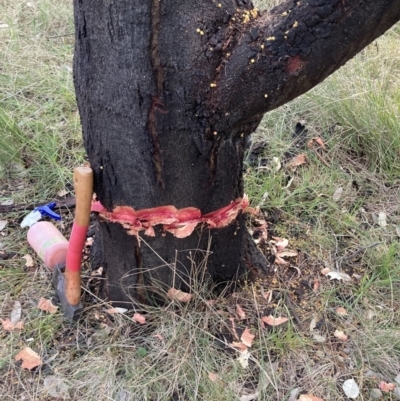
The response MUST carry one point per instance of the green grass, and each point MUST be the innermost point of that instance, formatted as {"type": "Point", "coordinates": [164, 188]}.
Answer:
{"type": "Point", "coordinates": [109, 357]}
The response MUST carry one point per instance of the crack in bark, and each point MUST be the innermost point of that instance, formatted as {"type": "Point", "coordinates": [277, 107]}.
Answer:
{"type": "Point", "coordinates": [156, 101]}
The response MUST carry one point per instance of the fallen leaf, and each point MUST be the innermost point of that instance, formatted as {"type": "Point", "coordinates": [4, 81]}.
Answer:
{"type": "Point", "coordinates": [297, 160]}
{"type": "Point", "coordinates": [3, 224]}
{"type": "Point", "coordinates": [62, 192]}
{"type": "Point", "coordinates": [350, 388]}
{"type": "Point", "coordinates": [213, 376]}
{"type": "Point", "coordinates": [239, 346]}
{"type": "Point", "coordinates": [341, 311]}
{"type": "Point", "coordinates": [337, 194]}
{"type": "Point", "coordinates": [319, 141]}
{"type": "Point", "coordinates": [309, 397]}
{"type": "Point", "coordinates": [244, 358]}
{"type": "Point", "coordinates": [280, 243]}
{"type": "Point", "coordinates": [287, 254]}
{"type": "Point", "coordinates": [240, 312]}
{"type": "Point", "coordinates": [338, 276]}
{"type": "Point", "coordinates": [313, 323]}
{"type": "Point", "coordinates": [319, 338]}
{"type": "Point", "coordinates": [387, 387]}
{"type": "Point", "coordinates": [277, 162]}
{"type": "Point", "coordinates": [113, 311]}
{"type": "Point", "coordinates": [29, 260]}
{"type": "Point", "coordinates": [56, 387]}
{"type": "Point", "coordinates": [247, 338]}
{"type": "Point", "coordinates": [375, 394]}
{"type": "Point", "coordinates": [382, 219]}
{"type": "Point", "coordinates": [340, 335]}
{"type": "Point", "coordinates": [325, 271]}
{"type": "Point", "coordinates": [16, 313]}
{"type": "Point", "coordinates": [30, 359]}
{"type": "Point", "coordinates": [316, 285]}
{"type": "Point", "coordinates": [9, 326]}
{"type": "Point", "coordinates": [137, 317]}
{"type": "Point", "coordinates": [280, 261]}
{"type": "Point", "coordinates": [178, 295]}
{"type": "Point", "coordinates": [293, 394]}
{"type": "Point", "coordinates": [47, 306]}
{"type": "Point", "coordinates": [274, 321]}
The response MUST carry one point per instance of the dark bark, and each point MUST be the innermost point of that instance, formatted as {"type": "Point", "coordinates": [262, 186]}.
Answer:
{"type": "Point", "coordinates": [168, 94]}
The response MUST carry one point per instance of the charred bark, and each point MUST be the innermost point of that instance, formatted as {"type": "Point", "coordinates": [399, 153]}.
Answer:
{"type": "Point", "coordinates": [169, 91]}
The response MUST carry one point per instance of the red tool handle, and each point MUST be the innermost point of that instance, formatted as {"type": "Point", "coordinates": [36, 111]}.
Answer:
{"type": "Point", "coordinates": [83, 185]}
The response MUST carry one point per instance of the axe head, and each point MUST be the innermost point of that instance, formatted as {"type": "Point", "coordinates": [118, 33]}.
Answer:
{"type": "Point", "coordinates": [70, 312]}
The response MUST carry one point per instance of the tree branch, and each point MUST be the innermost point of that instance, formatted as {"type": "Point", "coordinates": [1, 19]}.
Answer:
{"type": "Point", "coordinates": [280, 55]}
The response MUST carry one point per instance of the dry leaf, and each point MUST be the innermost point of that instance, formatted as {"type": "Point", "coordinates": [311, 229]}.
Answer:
{"type": "Point", "coordinates": [350, 388]}
{"type": "Point", "coordinates": [277, 162]}
{"type": "Point", "coordinates": [114, 311]}
{"type": "Point", "coordinates": [287, 254]}
{"type": "Point", "coordinates": [341, 311]}
{"type": "Point", "coordinates": [316, 285]}
{"type": "Point", "coordinates": [325, 271]}
{"type": "Point", "coordinates": [387, 387]}
{"type": "Point", "coordinates": [16, 313]}
{"type": "Point", "coordinates": [338, 276]}
{"type": "Point", "coordinates": [309, 397]}
{"type": "Point", "coordinates": [274, 321]}
{"type": "Point", "coordinates": [9, 326]}
{"type": "Point", "coordinates": [3, 224]}
{"type": "Point", "coordinates": [319, 338]}
{"type": "Point", "coordinates": [137, 317]}
{"type": "Point", "coordinates": [280, 261]}
{"type": "Point", "coordinates": [280, 243]}
{"type": "Point", "coordinates": [178, 295]}
{"type": "Point", "coordinates": [240, 312]}
{"type": "Point", "coordinates": [313, 323]}
{"type": "Point", "coordinates": [297, 160]}
{"type": "Point", "coordinates": [30, 359]}
{"type": "Point", "coordinates": [213, 376]}
{"type": "Point", "coordinates": [29, 260]}
{"type": "Point", "coordinates": [382, 219]}
{"type": "Point", "coordinates": [239, 346]}
{"type": "Point", "coordinates": [337, 194]}
{"type": "Point", "coordinates": [244, 358]}
{"type": "Point", "coordinates": [47, 306]}
{"type": "Point", "coordinates": [62, 192]}
{"type": "Point", "coordinates": [340, 335]}
{"type": "Point", "coordinates": [319, 141]}
{"type": "Point", "coordinates": [247, 338]}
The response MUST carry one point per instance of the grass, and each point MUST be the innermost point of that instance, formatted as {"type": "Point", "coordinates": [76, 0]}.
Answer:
{"type": "Point", "coordinates": [175, 354]}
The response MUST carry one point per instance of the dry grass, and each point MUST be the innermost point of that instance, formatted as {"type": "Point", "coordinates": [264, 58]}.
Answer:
{"type": "Point", "coordinates": [110, 357]}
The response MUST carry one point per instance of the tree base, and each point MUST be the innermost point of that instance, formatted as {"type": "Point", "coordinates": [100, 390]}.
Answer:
{"type": "Point", "coordinates": [145, 272]}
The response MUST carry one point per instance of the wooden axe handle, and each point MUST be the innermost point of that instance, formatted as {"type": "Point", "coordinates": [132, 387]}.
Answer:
{"type": "Point", "coordinates": [83, 185]}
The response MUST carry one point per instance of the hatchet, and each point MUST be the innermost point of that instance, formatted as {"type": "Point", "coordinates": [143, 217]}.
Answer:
{"type": "Point", "coordinates": [67, 281]}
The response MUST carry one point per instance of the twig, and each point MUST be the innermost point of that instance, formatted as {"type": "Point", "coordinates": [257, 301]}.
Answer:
{"type": "Point", "coordinates": [351, 256]}
{"type": "Point", "coordinates": [64, 203]}
{"type": "Point", "coordinates": [60, 36]}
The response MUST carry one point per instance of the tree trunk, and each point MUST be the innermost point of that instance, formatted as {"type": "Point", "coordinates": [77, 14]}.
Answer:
{"type": "Point", "coordinates": [168, 93]}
